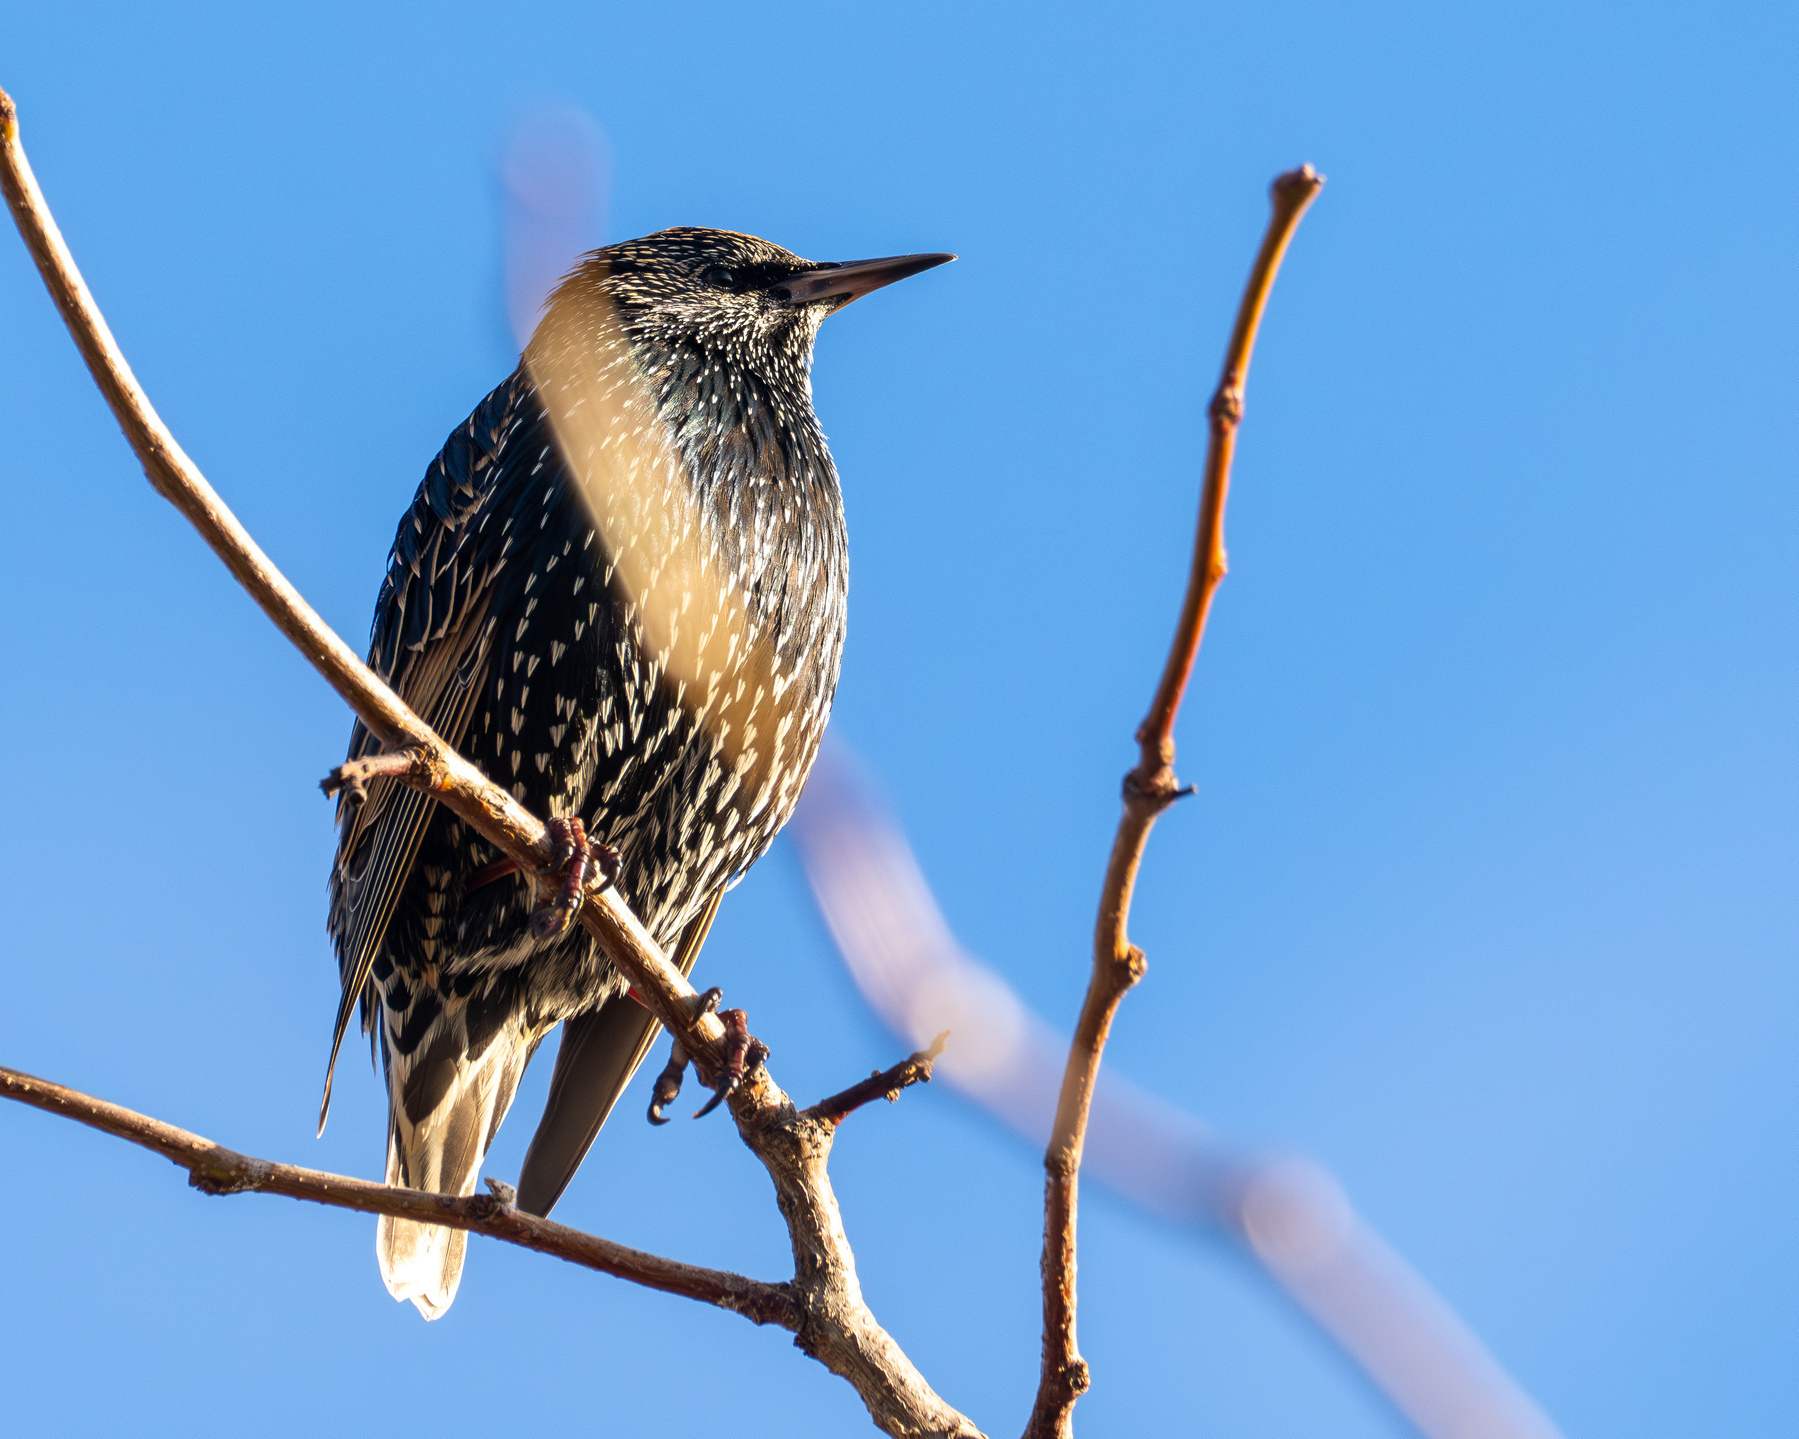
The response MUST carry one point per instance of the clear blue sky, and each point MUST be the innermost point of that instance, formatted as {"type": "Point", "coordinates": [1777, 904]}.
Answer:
{"type": "Point", "coordinates": [1487, 898]}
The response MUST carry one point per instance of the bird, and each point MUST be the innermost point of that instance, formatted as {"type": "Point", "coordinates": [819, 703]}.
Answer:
{"type": "Point", "coordinates": [620, 591]}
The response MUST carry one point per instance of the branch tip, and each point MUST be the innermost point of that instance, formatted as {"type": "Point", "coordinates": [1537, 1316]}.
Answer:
{"type": "Point", "coordinates": [882, 1084]}
{"type": "Point", "coordinates": [1296, 187]}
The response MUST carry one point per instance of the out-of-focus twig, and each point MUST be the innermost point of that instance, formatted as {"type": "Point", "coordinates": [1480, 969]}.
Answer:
{"type": "Point", "coordinates": [1148, 790]}
{"type": "Point", "coordinates": [1289, 1215]}
{"type": "Point", "coordinates": [553, 180]}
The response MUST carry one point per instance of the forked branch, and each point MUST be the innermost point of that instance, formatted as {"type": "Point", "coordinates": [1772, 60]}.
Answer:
{"type": "Point", "coordinates": [822, 1305]}
{"type": "Point", "coordinates": [1149, 789]}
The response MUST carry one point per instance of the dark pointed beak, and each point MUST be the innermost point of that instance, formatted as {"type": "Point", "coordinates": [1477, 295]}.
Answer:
{"type": "Point", "coordinates": [837, 285]}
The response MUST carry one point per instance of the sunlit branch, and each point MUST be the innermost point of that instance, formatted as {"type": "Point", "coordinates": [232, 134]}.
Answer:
{"type": "Point", "coordinates": [1148, 789]}
{"type": "Point", "coordinates": [436, 768]}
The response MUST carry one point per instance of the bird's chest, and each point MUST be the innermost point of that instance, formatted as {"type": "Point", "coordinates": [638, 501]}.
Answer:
{"type": "Point", "coordinates": [668, 680]}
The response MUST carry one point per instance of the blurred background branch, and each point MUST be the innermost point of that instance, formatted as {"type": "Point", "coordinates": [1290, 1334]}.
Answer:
{"type": "Point", "coordinates": [1285, 1212]}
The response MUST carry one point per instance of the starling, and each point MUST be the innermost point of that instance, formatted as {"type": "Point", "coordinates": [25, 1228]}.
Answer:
{"type": "Point", "coordinates": [620, 590]}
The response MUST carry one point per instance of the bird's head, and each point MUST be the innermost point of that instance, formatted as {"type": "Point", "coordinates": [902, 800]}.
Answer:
{"type": "Point", "coordinates": [734, 294]}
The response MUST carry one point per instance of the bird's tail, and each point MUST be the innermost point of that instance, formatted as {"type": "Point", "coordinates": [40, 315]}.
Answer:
{"type": "Point", "coordinates": [444, 1109]}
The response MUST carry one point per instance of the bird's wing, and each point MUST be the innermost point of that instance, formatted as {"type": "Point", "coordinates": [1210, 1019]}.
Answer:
{"type": "Point", "coordinates": [599, 1053]}
{"type": "Point", "coordinates": [432, 640]}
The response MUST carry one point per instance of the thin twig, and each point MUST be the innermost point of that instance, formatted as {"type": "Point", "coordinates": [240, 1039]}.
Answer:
{"type": "Point", "coordinates": [882, 1084]}
{"type": "Point", "coordinates": [435, 767]}
{"type": "Point", "coordinates": [835, 1326]}
{"type": "Point", "coordinates": [1148, 790]}
{"type": "Point", "coordinates": [213, 1169]}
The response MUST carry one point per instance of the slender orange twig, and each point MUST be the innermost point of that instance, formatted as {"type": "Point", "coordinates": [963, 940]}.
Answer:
{"type": "Point", "coordinates": [1149, 789]}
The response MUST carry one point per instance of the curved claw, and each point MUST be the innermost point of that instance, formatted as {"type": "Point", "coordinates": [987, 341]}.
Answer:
{"type": "Point", "coordinates": [726, 1087]}
{"type": "Point", "coordinates": [738, 1046]}
{"type": "Point", "coordinates": [668, 1084]}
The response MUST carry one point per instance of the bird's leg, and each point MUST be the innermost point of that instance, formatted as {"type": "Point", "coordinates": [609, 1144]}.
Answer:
{"type": "Point", "coordinates": [573, 858]}
{"type": "Point", "coordinates": [668, 1083]}
{"type": "Point", "coordinates": [743, 1052]}
{"type": "Point", "coordinates": [488, 873]}
{"type": "Point", "coordinates": [352, 777]}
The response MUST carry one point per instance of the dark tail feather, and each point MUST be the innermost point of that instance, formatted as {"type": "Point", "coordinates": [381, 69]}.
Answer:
{"type": "Point", "coordinates": [599, 1053]}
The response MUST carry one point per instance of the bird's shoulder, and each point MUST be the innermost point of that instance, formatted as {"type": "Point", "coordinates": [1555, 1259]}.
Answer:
{"type": "Point", "coordinates": [456, 535]}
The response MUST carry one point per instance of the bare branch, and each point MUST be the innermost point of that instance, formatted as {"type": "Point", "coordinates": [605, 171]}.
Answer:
{"type": "Point", "coordinates": [882, 1084]}
{"type": "Point", "coordinates": [213, 1169]}
{"type": "Point", "coordinates": [1148, 789]}
{"type": "Point", "coordinates": [834, 1325]}
{"type": "Point", "coordinates": [408, 766]}
{"type": "Point", "coordinates": [837, 1329]}
{"type": "Point", "coordinates": [822, 1304]}
{"type": "Point", "coordinates": [432, 766]}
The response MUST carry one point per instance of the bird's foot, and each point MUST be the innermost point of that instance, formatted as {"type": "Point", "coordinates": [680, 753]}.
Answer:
{"type": "Point", "coordinates": [574, 858]}
{"type": "Point", "coordinates": [743, 1052]}
{"type": "Point", "coordinates": [668, 1083]}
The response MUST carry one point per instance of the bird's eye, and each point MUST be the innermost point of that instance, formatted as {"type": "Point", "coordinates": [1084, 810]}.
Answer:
{"type": "Point", "coordinates": [721, 277]}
